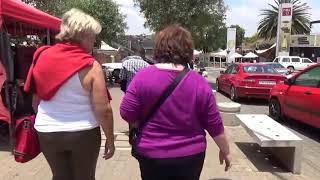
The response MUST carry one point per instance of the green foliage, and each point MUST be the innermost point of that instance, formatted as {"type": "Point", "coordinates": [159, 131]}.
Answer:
{"type": "Point", "coordinates": [252, 39]}
{"type": "Point", "coordinates": [300, 19]}
{"type": "Point", "coordinates": [205, 19]}
{"type": "Point", "coordinates": [107, 12]}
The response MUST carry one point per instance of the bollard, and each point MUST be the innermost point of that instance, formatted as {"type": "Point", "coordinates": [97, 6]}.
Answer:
{"type": "Point", "coordinates": [228, 111]}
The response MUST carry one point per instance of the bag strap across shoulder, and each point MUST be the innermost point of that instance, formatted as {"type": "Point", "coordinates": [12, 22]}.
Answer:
{"type": "Point", "coordinates": [164, 96]}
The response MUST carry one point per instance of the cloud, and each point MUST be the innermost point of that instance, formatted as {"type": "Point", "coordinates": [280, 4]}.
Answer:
{"type": "Point", "coordinates": [135, 20]}
{"type": "Point", "coordinates": [246, 13]}
{"type": "Point", "coordinates": [127, 3]}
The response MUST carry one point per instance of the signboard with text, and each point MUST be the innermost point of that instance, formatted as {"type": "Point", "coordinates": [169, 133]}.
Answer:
{"type": "Point", "coordinates": [231, 43]}
{"type": "Point", "coordinates": [284, 29]}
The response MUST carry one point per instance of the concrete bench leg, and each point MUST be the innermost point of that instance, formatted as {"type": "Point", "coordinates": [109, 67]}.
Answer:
{"type": "Point", "coordinates": [290, 157]}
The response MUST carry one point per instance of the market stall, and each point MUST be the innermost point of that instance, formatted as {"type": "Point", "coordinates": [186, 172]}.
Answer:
{"type": "Point", "coordinates": [22, 29]}
{"type": "Point", "coordinates": [250, 57]}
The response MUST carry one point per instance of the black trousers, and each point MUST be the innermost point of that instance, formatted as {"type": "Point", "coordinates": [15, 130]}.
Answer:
{"type": "Point", "coordinates": [71, 155]}
{"type": "Point", "coordinates": [184, 168]}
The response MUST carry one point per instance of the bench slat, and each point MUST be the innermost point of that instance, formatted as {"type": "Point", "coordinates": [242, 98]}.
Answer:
{"type": "Point", "coordinates": [267, 132]}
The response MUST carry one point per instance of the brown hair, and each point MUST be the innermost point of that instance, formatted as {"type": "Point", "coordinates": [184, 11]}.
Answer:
{"type": "Point", "coordinates": [173, 45]}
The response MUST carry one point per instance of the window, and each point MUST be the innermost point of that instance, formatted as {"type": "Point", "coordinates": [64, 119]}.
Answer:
{"type": "Point", "coordinates": [258, 69]}
{"type": "Point", "coordinates": [295, 60]}
{"type": "Point", "coordinates": [310, 78]}
{"type": "Point", "coordinates": [276, 60]}
{"type": "Point", "coordinates": [286, 60]}
{"type": "Point", "coordinates": [235, 69]}
{"type": "Point", "coordinates": [229, 69]}
{"type": "Point", "coordinates": [305, 60]}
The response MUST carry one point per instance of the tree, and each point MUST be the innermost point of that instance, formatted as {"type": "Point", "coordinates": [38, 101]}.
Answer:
{"type": "Point", "coordinates": [203, 18]}
{"type": "Point", "coordinates": [269, 23]}
{"type": "Point", "coordinates": [240, 34]}
{"type": "Point", "coordinates": [107, 12]}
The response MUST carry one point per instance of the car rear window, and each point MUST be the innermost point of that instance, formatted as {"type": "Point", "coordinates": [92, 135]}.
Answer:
{"type": "Point", "coordinates": [256, 69]}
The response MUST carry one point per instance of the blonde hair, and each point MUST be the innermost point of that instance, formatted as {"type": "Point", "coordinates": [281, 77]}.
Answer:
{"type": "Point", "coordinates": [76, 24]}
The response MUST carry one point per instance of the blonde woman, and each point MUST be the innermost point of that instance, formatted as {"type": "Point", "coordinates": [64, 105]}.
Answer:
{"type": "Point", "coordinates": [73, 100]}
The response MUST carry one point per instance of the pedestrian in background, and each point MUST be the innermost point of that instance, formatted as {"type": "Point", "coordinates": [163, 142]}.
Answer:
{"type": "Point", "coordinates": [130, 66]}
{"type": "Point", "coordinates": [73, 100]}
{"type": "Point", "coordinates": [172, 143]}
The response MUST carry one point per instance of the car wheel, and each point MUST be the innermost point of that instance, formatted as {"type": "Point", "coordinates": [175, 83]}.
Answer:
{"type": "Point", "coordinates": [233, 94]}
{"type": "Point", "coordinates": [291, 69]}
{"type": "Point", "coordinates": [275, 110]}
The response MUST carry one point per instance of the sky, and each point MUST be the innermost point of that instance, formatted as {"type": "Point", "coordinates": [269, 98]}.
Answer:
{"type": "Point", "coordinates": [242, 12]}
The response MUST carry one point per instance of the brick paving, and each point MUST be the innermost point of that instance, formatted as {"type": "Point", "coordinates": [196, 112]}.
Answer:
{"type": "Point", "coordinates": [249, 160]}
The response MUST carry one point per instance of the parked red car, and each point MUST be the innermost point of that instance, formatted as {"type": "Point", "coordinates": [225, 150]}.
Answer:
{"type": "Point", "coordinates": [298, 97]}
{"type": "Point", "coordinates": [248, 80]}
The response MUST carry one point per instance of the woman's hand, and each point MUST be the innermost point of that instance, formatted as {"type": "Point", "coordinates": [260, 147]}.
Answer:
{"type": "Point", "coordinates": [223, 157]}
{"type": "Point", "coordinates": [109, 150]}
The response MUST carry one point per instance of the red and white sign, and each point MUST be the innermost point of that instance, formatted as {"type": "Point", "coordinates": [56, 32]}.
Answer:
{"type": "Point", "coordinates": [286, 11]}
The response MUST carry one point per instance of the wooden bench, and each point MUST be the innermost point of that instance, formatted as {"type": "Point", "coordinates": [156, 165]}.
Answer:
{"type": "Point", "coordinates": [284, 145]}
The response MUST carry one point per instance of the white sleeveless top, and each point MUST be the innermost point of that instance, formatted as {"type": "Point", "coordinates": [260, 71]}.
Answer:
{"type": "Point", "coordinates": [69, 110]}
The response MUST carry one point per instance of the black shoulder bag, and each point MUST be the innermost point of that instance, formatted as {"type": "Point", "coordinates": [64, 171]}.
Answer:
{"type": "Point", "coordinates": [135, 132]}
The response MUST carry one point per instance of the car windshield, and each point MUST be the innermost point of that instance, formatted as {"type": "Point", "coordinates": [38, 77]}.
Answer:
{"type": "Point", "coordinates": [258, 69]}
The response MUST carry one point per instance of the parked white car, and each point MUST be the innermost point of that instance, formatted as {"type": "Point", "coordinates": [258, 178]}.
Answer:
{"type": "Point", "coordinates": [294, 62]}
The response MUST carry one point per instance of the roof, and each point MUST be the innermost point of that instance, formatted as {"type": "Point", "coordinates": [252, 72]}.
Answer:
{"type": "Point", "coordinates": [107, 47]}
{"type": "Point", "coordinates": [289, 56]}
{"type": "Point", "coordinates": [16, 16]}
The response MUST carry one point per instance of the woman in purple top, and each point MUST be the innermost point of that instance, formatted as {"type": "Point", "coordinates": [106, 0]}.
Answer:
{"type": "Point", "coordinates": [172, 143]}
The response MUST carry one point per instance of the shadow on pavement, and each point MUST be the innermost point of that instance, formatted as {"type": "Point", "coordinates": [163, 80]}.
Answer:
{"type": "Point", "coordinates": [303, 129]}
{"type": "Point", "coordinates": [260, 157]}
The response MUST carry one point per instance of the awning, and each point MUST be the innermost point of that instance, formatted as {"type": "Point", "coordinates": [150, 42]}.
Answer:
{"type": "Point", "coordinates": [250, 55]}
{"type": "Point", "coordinates": [16, 17]}
{"type": "Point", "coordinates": [265, 50]}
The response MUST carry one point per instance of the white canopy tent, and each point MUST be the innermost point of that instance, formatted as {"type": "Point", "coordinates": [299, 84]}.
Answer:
{"type": "Point", "coordinates": [221, 54]}
{"type": "Point", "coordinates": [250, 55]}
{"type": "Point", "coordinates": [236, 55]}
{"type": "Point", "coordinates": [196, 52]}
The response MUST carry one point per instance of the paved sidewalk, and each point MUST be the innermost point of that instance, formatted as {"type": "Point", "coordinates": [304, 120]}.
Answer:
{"type": "Point", "coordinates": [249, 160]}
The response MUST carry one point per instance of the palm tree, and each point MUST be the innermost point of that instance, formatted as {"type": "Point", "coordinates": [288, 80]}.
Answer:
{"type": "Point", "coordinates": [300, 19]}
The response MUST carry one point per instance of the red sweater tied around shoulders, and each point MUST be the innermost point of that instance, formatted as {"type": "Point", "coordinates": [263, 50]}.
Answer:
{"type": "Point", "coordinates": [52, 66]}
